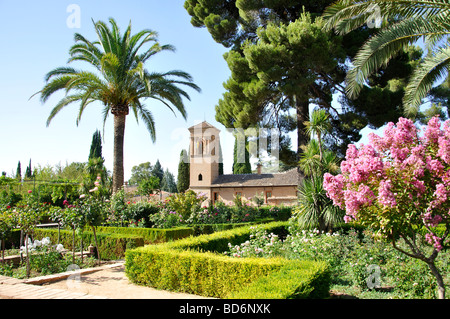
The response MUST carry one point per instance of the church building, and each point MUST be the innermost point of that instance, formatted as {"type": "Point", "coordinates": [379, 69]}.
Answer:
{"type": "Point", "coordinates": [277, 188]}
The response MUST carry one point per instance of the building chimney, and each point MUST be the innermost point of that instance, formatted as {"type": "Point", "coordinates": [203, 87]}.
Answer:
{"type": "Point", "coordinates": [258, 168]}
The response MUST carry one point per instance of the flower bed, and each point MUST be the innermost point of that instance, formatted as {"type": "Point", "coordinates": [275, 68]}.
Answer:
{"type": "Point", "coordinates": [44, 259]}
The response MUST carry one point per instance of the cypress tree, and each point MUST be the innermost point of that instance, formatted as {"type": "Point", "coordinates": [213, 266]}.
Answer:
{"type": "Point", "coordinates": [158, 171]}
{"type": "Point", "coordinates": [96, 145]}
{"type": "Point", "coordinates": [220, 160]}
{"type": "Point", "coordinates": [183, 178]}
{"type": "Point", "coordinates": [28, 173]}
{"type": "Point", "coordinates": [168, 182]}
{"type": "Point", "coordinates": [19, 172]}
{"type": "Point", "coordinates": [238, 166]}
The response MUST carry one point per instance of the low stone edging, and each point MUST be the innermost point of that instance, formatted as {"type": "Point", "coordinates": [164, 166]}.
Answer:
{"type": "Point", "coordinates": [64, 275]}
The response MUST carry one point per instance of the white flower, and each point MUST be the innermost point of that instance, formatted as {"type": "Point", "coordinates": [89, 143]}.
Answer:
{"type": "Point", "coordinates": [59, 248]}
{"type": "Point", "coordinates": [45, 241]}
{"type": "Point", "coordinates": [37, 243]}
{"type": "Point", "coordinates": [82, 196]}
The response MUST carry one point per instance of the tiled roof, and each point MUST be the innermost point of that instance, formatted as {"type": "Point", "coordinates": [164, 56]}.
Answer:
{"type": "Point", "coordinates": [289, 178]}
{"type": "Point", "coordinates": [201, 126]}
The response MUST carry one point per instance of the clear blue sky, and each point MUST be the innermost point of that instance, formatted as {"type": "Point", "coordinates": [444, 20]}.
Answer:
{"type": "Point", "coordinates": [36, 38]}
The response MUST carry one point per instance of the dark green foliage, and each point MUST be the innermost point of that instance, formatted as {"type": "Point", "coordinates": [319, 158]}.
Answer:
{"type": "Point", "coordinates": [232, 22]}
{"type": "Point", "coordinates": [168, 182]}
{"type": "Point", "coordinates": [241, 157]}
{"type": "Point", "coordinates": [256, 92]}
{"type": "Point", "coordinates": [183, 178]}
{"type": "Point", "coordinates": [28, 172]}
{"type": "Point", "coordinates": [158, 171]}
{"type": "Point", "coordinates": [269, 81]}
{"type": "Point", "coordinates": [96, 146]}
{"type": "Point", "coordinates": [19, 172]}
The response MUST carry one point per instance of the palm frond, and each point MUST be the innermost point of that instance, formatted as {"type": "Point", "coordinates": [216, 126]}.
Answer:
{"type": "Point", "coordinates": [148, 120]}
{"type": "Point", "coordinates": [61, 104]}
{"type": "Point", "coordinates": [348, 15]}
{"type": "Point", "coordinates": [53, 86]}
{"type": "Point", "coordinates": [382, 47]}
{"type": "Point", "coordinates": [433, 68]}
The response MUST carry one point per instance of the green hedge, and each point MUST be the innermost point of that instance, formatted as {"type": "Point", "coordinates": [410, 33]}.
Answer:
{"type": "Point", "coordinates": [301, 280]}
{"type": "Point", "coordinates": [111, 246]}
{"type": "Point", "coordinates": [196, 265]}
{"type": "Point", "coordinates": [150, 235]}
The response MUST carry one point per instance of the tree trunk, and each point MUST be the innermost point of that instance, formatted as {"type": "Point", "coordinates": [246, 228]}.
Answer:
{"type": "Point", "coordinates": [96, 245]}
{"type": "Point", "coordinates": [28, 256]}
{"type": "Point", "coordinates": [302, 105]}
{"type": "Point", "coordinates": [3, 251]}
{"type": "Point", "coordinates": [440, 281]}
{"type": "Point", "coordinates": [119, 132]}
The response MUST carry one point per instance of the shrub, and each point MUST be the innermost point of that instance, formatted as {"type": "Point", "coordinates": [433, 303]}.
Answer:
{"type": "Point", "coordinates": [112, 246]}
{"type": "Point", "coordinates": [185, 203]}
{"type": "Point", "coordinates": [195, 265]}
{"type": "Point", "coordinates": [142, 211]}
{"type": "Point", "coordinates": [150, 235]}
{"type": "Point", "coordinates": [303, 280]}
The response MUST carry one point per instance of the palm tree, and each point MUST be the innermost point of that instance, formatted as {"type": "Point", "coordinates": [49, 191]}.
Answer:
{"type": "Point", "coordinates": [315, 209]}
{"type": "Point", "coordinates": [410, 20]}
{"type": "Point", "coordinates": [318, 125]}
{"type": "Point", "coordinates": [120, 82]}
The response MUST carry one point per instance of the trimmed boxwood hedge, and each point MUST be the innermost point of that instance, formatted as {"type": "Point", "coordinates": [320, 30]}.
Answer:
{"type": "Point", "coordinates": [301, 280]}
{"type": "Point", "coordinates": [111, 246]}
{"type": "Point", "coordinates": [150, 235]}
{"type": "Point", "coordinates": [196, 265]}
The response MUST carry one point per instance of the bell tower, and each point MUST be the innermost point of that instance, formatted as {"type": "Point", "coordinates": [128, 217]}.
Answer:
{"type": "Point", "coordinates": [204, 156]}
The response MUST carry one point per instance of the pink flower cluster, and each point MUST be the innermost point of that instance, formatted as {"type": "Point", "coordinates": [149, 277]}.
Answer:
{"type": "Point", "coordinates": [403, 173]}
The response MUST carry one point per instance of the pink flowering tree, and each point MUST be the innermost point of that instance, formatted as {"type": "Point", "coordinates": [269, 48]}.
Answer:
{"type": "Point", "coordinates": [399, 186]}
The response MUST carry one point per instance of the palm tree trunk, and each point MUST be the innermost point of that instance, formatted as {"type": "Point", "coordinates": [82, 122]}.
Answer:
{"type": "Point", "coordinates": [119, 133]}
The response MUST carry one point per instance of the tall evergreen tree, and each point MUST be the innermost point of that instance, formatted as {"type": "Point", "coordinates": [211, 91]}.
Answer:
{"type": "Point", "coordinates": [257, 92]}
{"type": "Point", "coordinates": [241, 157]}
{"type": "Point", "coordinates": [158, 171]}
{"type": "Point", "coordinates": [220, 160]}
{"type": "Point", "coordinates": [284, 83]}
{"type": "Point", "coordinates": [96, 146]}
{"type": "Point", "coordinates": [168, 182]}
{"type": "Point", "coordinates": [28, 172]}
{"type": "Point", "coordinates": [183, 178]}
{"type": "Point", "coordinates": [19, 172]}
